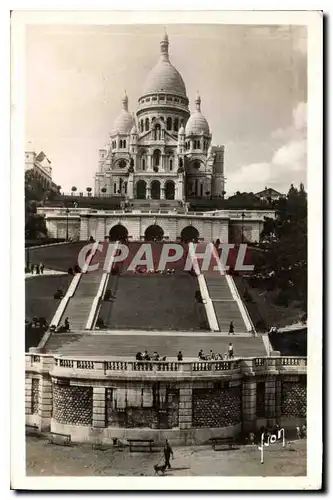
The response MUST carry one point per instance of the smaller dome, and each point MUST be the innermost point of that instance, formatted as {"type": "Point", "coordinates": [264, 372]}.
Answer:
{"type": "Point", "coordinates": [134, 131]}
{"type": "Point", "coordinates": [197, 123]}
{"type": "Point", "coordinates": [181, 131]}
{"type": "Point", "coordinates": [124, 122]}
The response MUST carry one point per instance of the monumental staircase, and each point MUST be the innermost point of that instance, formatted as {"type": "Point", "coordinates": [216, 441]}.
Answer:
{"type": "Point", "coordinates": [226, 307]}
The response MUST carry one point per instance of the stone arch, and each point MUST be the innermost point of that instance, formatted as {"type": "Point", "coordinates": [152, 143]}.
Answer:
{"type": "Point", "coordinates": [141, 189]}
{"type": "Point", "coordinates": [118, 232]}
{"type": "Point", "coordinates": [154, 232]}
{"type": "Point", "coordinates": [155, 190]}
{"type": "Point", "coordinates": [189, 233]}
{"type": "Point", "coordinates": [169, 187]}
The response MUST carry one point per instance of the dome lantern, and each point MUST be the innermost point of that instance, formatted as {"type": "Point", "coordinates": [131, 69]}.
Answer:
{"type": "Point", "coordinates": [165, 48]}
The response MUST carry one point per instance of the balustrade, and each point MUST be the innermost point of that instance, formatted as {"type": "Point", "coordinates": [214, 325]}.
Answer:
{"type": "Point", "coordinates": [190, 367]}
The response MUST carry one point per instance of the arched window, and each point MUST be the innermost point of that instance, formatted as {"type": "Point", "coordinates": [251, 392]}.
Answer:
{"type": "Point", "coordinates": [147, 124]}
{"type": "Point", "coordinates": [121, 143]}
{"type": "Point", "coordinates": [114, 187]}
{"type": "Point", "coordinates": [176, 125]}
{"type": "Point", "coordinates": [141, 125]}
{"type": "Point", "coordinates": [124, 144]}
{"type": "Point", "coordinates": [169, 123]}
{"type": "Point", "coordinates": [143, 164]}
{"type": "Point", "coordinates": [125, 187]}
{"type": "Point", "coordinates": [170, 164]}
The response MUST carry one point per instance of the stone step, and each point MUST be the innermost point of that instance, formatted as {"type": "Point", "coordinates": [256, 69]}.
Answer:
{"type": "Point", "coordinates": [77, 345]}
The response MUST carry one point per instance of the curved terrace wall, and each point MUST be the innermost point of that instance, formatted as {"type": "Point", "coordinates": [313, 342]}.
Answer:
{"type": "Point", "coordinates": [187, 402]}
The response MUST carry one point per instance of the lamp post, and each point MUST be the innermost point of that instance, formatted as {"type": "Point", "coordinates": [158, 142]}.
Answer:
{"type": "Point", "coordinates": [67, 212]}
{"type": "Point", "coordinates": [243, 215]}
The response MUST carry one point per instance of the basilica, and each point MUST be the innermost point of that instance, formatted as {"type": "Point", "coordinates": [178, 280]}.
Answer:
{"type": "Point", "coordinates": [164, 151]}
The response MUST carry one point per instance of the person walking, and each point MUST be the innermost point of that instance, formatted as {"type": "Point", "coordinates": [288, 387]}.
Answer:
{"type": "Point", "coordinates": [231, 328]}
{"type": "Point", "coordinates": [168, 452]}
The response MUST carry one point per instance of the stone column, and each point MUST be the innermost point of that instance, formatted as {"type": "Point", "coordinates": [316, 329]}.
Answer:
{"type": "Point", "coordinates": [185, 407]}
{"type": "Point", "coordinates": [249, 395]}
{"type": "Point", "coordinates": [162, 193]}
{"type": "Point", "coordinates": [98, 419]}
{"type": "Point", "coordinates": [45, 402]}
{"type": "Point", "coordinates": [278, 399]}
{"type": "Point", "coordinates": [148, 192]}
{"type": "Point", "coordinates": [130, 186]}
{"type": "Point", "coordinates": [28, 396]}
{"type": "Point", "coordinates": [270, 401]}
{"type": "Point", "coordinates": [179, 188]}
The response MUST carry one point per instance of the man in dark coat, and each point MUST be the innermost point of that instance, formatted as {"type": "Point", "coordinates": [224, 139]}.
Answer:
{"type": "Point", "coordinates": [168, 452]}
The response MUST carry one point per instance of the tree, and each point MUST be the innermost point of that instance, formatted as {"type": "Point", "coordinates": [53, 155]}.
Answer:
{"type": "Point", "coordinates": [74, 189]}
{"type": "Point", "coordinates": [286, 246]}
{"type": "Point", "coordinates": [88, 189]}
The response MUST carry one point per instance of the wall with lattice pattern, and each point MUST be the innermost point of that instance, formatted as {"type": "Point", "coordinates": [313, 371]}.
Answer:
{"type": "Point", "coordinates": [216, 407]}
{"type": "Point", "coordinates": [72, 405]}
{"type": "Point", "coordinates": [293, 399]}
{"type": "Point", "coordinates": [35, 395]}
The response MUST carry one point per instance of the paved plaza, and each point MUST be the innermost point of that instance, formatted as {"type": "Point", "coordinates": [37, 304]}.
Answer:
{"type": "Point", "coordinates": [44, 459]}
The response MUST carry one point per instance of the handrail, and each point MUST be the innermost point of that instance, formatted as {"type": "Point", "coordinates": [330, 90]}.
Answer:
{"type": "Point", "coordinates": [101, 289]}
{"type": "Point", "coordinates": [207, 301]}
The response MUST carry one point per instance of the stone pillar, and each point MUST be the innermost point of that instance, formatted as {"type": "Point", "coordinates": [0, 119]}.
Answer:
{"type": "Point", "coordinates": [270, 401]}
{"type": "Point", "coordinates": [249, 395]}
{"type": "Point", "coordinates": [179, 194]}
{"type": "Point", "coordinates": [45, 402]}
{"type": "Point", "coordinates": [162, 193]}
{"type": "Point", "coordinates": [28, 396]}
{"type": "Point", "coordinates": [185, 407]}
{"type": "Point", "coordinates": [130, 187]}
{"type": "Point", "coordinates": [278, 399]}
{"type": "Point", "coordinates": [148, 193]}
{"type": "Point", "coordinates": [98, 418]}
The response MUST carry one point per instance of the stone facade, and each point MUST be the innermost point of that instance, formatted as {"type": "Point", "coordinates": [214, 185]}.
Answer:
{"type": "Point", "coordinates": [208, 226]}
{"type": "Point", "coordinates": [164, 152]}
{"type": "Point", "coordinates": [186, 402]}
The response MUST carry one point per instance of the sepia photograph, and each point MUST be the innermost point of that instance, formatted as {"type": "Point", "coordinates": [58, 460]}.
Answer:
{"type": "Point", "coordinates": [162, 162]}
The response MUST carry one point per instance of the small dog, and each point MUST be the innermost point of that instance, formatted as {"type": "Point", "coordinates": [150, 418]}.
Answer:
{"type": "Point", "coordinates": [159, 468]}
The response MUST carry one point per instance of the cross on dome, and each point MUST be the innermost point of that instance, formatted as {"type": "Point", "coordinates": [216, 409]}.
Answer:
{"type": "Point", "coordinates": [125, 102]}
{"type": "Point", "coordinates": [198, 102]}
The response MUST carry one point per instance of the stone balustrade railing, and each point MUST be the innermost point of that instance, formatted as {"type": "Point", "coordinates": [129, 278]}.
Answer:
{"type": "Point", "coordinates": [67, 367]}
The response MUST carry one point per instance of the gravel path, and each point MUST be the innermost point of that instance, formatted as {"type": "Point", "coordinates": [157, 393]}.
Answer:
{"type": "Point", "coordinates": [44, 459]}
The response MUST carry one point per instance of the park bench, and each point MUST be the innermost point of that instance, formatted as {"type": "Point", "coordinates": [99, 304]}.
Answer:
{"type": "Point", "coordinates": [222, 441]}
{"type": "Point", "coordinates": [59, 438]}
{"type": "Point", "coordinates": [138, 444]}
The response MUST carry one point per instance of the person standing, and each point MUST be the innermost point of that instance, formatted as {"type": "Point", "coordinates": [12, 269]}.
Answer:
{"type": "Point", "coordinates": [231, 350]}
{"type": "Point", "coordinates": [168, 452]}
{"type": "Point", "coordinates": [41, 267]}
{"type": "Point", "coordinates": [231, 328]}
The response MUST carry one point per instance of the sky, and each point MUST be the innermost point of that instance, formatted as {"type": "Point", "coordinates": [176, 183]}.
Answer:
{"type": "Point", "coordinates": [252, 81]}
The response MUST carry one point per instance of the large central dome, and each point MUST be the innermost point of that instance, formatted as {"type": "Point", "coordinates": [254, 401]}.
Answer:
{"type": "Point", "coordinates": [164, 77]}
